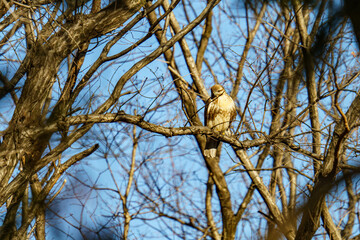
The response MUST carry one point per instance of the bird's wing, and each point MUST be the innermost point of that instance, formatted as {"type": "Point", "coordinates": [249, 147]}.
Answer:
{"type": "Point", "coordinates": [212, 112]}
{"type": "Point", "coordinates": [232, 111]}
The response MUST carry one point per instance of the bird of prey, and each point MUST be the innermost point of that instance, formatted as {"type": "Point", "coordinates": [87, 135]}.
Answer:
{"type": "Point", "coordinates": [220, 111]}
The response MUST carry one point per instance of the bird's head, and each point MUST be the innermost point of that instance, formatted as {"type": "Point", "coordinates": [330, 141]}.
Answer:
{"type": "Point", "coordinates": [217, 90]}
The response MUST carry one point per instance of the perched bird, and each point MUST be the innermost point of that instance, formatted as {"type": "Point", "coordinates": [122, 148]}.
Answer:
{"type": "Point", "coordinates": [219, 113]}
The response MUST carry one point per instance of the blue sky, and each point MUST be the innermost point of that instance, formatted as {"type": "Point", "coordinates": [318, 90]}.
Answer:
{"type": "Point", "coordinates": [173, 163]}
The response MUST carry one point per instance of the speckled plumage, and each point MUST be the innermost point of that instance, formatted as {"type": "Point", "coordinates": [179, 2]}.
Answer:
{"type": "Point", "coordinates": [220, 111]}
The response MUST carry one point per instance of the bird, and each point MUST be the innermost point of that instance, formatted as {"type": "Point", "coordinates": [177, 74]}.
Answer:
{"type": "Point", "coordinates": [220, 112]}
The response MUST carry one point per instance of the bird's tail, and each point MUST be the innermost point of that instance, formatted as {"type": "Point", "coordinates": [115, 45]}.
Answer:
{"type": "Point", "coordinates": [211, 147]}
